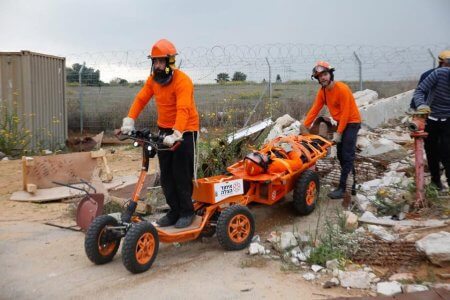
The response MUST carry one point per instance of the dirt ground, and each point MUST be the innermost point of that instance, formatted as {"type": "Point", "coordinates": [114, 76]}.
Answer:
{"type": "Point", "coordinates": [41, 261]}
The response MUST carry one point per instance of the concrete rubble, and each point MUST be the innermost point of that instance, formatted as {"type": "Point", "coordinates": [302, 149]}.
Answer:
{"type": "Point", "coordinates": [389, 288]}
{"type": "Point", "coordinates": [355, 279]}
{"type": "Point", "coordinates": [381, 233]}
{"type": "Point", "coordinates": [411, 288]}
{"type": "Point", "coordinates": [382, 201]}
{"type": "Point", "coordinates": [256, 248]}
{"type": "Point", "coordinates": [437, 247]}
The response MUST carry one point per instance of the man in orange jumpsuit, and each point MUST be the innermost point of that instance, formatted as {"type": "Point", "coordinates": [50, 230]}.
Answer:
{"type": "Point", "coordinates": [178, 120]}
{"type": "Point", "coordinates": [338, 97]}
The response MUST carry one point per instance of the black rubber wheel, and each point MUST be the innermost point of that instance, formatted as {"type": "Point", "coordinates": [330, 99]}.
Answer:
{"type": "Point", "coordinates": [235, 227]}
{"type": "Point", "coordinates": [306, 192]}
{"type": "Point", "coordinates": [99, 247]}
{"type": "Point", "coordinates": [140, 247]}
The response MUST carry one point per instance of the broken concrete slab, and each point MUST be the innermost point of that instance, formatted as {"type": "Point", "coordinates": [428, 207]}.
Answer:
{"type": "Point", "coordinates": [332, 264]}
{"type": "Point", "coordinates": [365, 97]}
{"type": "Point", "coordinates": [398, 137]}
{"type": "Point", "coordinates": [287, 240]}
{"type": "Point", "coordinates": [436, 246]}
{"type": "Point", "coordinates": [316, 268]}
{"type": "Point", "coordinates": [355, 279]}
{"type": "Point", "coordinates": [256, 248]}
{"type": "Point", "coordinates": [384, 150]}
{"type": "Point", "coordinates": [381, 233]}
{"type": "Point", "coordinates": [309, 276]}
{"type": "Point", "coordinates": [412, 288]}
{"type": "Point", "coordinates": [383, 110]}
{"type": "Point", "coordinates": [389, 288]}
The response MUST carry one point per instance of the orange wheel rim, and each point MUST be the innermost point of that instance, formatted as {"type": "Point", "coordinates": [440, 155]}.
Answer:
{"type": "Point", "coordinates": [144, 248]}
{"type": "Point", "coordinates": [239, 228]}
{"type": "Point", "coordinates": [105, 248]}
{"type": "Point", "coordinates": [311, 193]}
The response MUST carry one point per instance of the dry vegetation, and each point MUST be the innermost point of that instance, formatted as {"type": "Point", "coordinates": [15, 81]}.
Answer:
{"type": "Point", "coordinates": [219, 104]}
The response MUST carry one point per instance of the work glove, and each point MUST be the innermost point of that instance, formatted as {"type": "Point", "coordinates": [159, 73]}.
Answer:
{"type": "Point", "coordinates": [423, 109]}
{"type": "Point", "coordinates": [127, 126]}
{"type": "Point", "coordinates": [173, 138]}
{"type": "Point", "coordinates": [337, 137]}
{"type": "Point", "coordinates": [333, 122]}
{"type": "Point", "coordinates": [304, 129]}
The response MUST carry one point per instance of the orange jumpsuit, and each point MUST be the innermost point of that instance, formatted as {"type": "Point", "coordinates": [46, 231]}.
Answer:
{"type": "Point", "coordinates": [175, 103]}
{"type": "Point", "coordinates": [340, 103]}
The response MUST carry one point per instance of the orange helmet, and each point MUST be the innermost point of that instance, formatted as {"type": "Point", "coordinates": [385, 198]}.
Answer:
{"type": "Point", "coordinates": [321, 66]}
{"type": "Point", "coordinates": [163, 48]}
{"type": "Point", "coordinates": [256, 163]}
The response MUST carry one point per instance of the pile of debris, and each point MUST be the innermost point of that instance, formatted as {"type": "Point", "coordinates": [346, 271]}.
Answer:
{"type": "Point", "coordinates": [295, 249]}
{"type": "Point", "coordinates": [389, 232]}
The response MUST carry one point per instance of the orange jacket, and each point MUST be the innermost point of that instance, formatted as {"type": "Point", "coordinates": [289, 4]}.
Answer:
{"type": "Point", "coordinates": [340, 103]}
{"type": "Point", "coordinates": [175, 103]}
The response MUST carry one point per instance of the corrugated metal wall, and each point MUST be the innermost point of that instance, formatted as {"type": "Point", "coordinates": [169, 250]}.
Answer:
{"type": "Point", "coordinates": [36, 82]}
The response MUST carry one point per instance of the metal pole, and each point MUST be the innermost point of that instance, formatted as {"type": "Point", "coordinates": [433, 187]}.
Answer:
{"type": "Point", "coordinates": [359, 70]}
{"type": "Point", "coordinates": [270, 88]}
{"type": "Point", "coordinates": [432, 57]}
{"type": "Point", "coordinates": [81, 97]}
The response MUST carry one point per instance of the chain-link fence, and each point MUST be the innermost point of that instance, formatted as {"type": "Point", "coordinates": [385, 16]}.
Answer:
{"type": "Point", "coordinates": [276, 80]}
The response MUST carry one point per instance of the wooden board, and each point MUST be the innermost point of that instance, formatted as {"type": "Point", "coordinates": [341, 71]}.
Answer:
{"type": "Point", "coordinates": [64, 168]}
{"type": "Point", "coordinates": [171, 229]}
{"type": "Point", "coordinates": [44, 195]}
{"type": "Point", "coordinates": [60, 192]}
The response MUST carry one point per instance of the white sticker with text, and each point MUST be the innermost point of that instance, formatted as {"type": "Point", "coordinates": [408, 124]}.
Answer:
{"type": "Point", "coordinates": [227, 189]}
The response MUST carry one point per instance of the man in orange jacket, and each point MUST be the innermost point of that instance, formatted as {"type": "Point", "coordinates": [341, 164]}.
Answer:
{"type": "Point", "coordinates": [179, 121]}
{"type": "Point", "coordinates": [338, 97]}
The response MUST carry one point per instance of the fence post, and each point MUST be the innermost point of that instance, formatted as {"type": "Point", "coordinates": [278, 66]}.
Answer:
{"type": "Point", "coordinates": [81, 97]}
{"type": "Point", "coordinates": [359, 70]}
{"type": "Point", "coordinates": [270, 87]}
{"type": "Point", "coordinates": [432, 57]}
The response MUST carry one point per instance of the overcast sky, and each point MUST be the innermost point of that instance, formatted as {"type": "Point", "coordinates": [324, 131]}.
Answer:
{"type": "Point", "coordinates": [64, 27]}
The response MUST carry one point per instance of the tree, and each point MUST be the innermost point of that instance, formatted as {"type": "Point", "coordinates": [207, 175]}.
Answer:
{"type": "Point", "coordinates": [222, 77]}
{"type": "Point", "coordinates": [278, 80]}
{"type": "Point", "coordinates": [118, 81]}
{"type": "Point", "coordinates": [89, 76]}
{"type": "Point", "coordinates": [239, 76]}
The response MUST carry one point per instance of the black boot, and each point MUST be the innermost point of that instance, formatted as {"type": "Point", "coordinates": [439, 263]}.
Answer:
{"type": "Point", "coordinates": [167, 220]}
{"type": "Point", "coordinates": [337, 193]}
{"type": "Point", "coordinates": [185, 221]}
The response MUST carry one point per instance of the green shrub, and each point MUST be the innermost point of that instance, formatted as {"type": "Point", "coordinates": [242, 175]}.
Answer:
{"type": "Point", "coordinates": [13, 136]}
